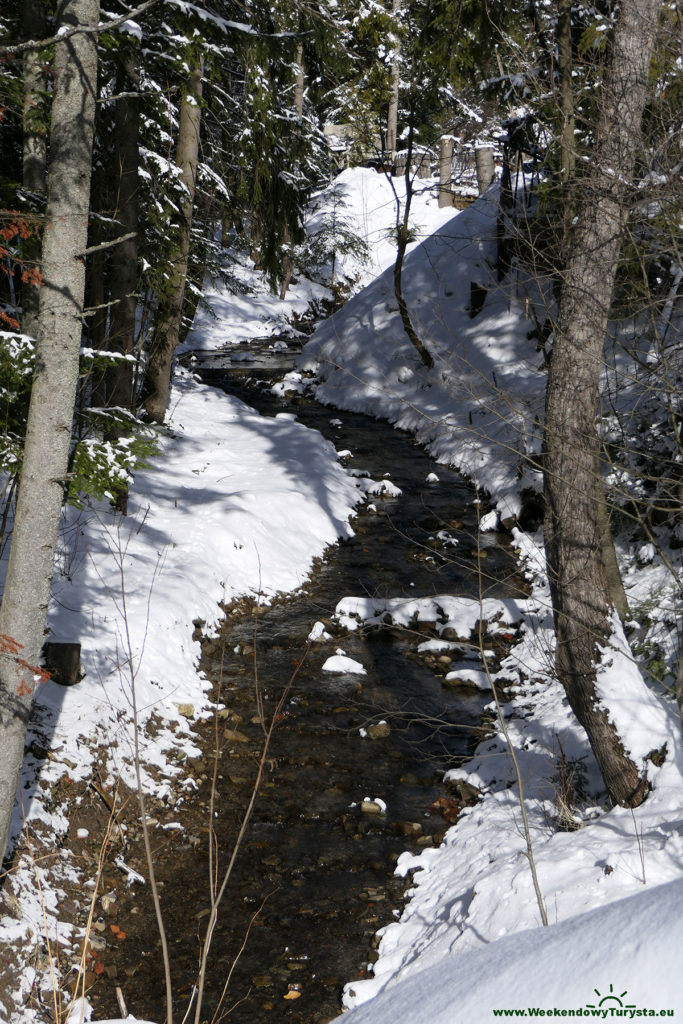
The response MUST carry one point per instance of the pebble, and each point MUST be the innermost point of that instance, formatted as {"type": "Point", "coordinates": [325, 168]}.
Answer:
{"type": "Point", "coordinates": [370, 807]}
{"type": "Point", "coordinates": [106, 901]}
{"type": "Point", "coordinates": [235, 736]}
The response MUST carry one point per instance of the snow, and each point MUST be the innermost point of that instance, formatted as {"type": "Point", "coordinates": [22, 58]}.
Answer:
{"type": "Point", "coordinates": [253, 312]}
{"type": "Point", "coordinates": [238, 505]}
{"type": "Point", "coordinates": [241, 505]}
{"type": "Point", "coordinates": [480, 406]}
{"type": "Point", "coordinates": [625, 956]}
{"type": "Point", "coordinates": [342, 663]}
{"type": "Point", "coordinates": [479, 409]}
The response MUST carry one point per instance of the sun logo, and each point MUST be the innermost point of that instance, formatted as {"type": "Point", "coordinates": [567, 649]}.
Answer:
{"type": "Point", "coordinates": [611, 998]}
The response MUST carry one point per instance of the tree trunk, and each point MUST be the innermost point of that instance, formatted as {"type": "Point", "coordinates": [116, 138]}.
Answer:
{"type": "Point", "coordinates": [580, 595]}
{"type": "Point", "coordinates": [124, 257]}
{"type": "Point", "coordinates": [48, 433]}
{"type": "Point", "coordinates": [34, 173]}
{"type": "Point", "coordinates": [157, 383]}
{"type": "Point", "coordinates": [446, 170]}
{"type": "Point", "coordinates": [566, 90]}
{"type": "Point", "coordinates": [96, 309]}
{"type": "Point", "coordinates": [402, 236]}
{"type": "Point", "coordinates": [486, 168]}
{"type": "Point", "coordinates": [392, 115]}
{"type": "Point", "coordinates": [615, 586]}
{"type": "Point", "coordinates": [300, 82]}
{"type": "Point", "coordinates": [287, 259]}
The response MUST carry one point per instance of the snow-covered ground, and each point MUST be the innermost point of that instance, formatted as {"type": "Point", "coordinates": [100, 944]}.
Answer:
{"type": "Point", "coordinates": [241, 505]}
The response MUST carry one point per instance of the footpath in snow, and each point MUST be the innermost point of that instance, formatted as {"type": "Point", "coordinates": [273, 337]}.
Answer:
{"type": "Point", "coordinates": [241, 505]}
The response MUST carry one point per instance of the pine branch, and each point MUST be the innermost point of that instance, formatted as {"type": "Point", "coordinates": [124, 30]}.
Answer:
{"type": "Point", "coordinates": [66, 33]}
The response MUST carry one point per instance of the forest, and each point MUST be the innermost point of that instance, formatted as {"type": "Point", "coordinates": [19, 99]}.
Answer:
{"type": "Point", "coordinates": [454, 218]}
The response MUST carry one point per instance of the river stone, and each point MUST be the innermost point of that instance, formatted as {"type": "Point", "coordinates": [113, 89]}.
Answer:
{"type": "Point", "coordinates": [106, 901]}
{"type": "Point", "coordinates": [425, 841]}
{"type": "Point", "coordinates": [379, 731]}
{"type": "Point", "coordinates": [467, 793]}
{"type": "Point", "coordinates": [425, 625]}
{"type": "Point", "coordinates": [448, 633]}
{"type": "Point", "coordinates": [409, 779]}
{"type": "Point", "coordinates": [260, 980]}
{"type": "Point", "coordinates": [370, 807]}
{"type": "Point", "coordinates": [235, 736]}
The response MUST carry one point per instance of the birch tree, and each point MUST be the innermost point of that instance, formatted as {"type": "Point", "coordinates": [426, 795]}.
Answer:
{"type": "Point", "coordinates": [48, 435]}
{"type": "Point", "coordinates": [582, 608]}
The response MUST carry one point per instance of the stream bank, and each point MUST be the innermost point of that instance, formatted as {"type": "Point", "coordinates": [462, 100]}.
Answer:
{"type": "Point", "coordinates": [315, 877]}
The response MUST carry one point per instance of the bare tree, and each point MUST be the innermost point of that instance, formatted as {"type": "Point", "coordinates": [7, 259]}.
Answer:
{"type": "Point", "coordinates": [579, 586]}
{"type": "Point", "coordinates": [48, 433]}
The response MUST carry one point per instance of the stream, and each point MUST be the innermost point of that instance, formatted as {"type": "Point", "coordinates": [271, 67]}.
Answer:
{"type": "Point", "coordinates": [314, 879]}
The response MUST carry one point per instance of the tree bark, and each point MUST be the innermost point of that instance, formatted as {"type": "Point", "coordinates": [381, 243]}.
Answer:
{"type": "Point", "coordinates": [402, 237]}
{"type": "Point", "coordinates": [573, 490]}
{"type": "Point", "coordinates": [392, 114]}
{"type": "Point", "coordinates": [299, 83]}
{"type": "Point", "coordinates": [486, 168]}
{"type": "Point", "coordinates": [566, 91]}
{"type": "Point", "coordinates": [446, 170]}
{"type": "Point", "coordinates": [157, 382]}
{"type": "Point", "coordinates": [124, 257]}
{"type": "Point", "coordinates": [34, 157]}
{"type": "Point", "coordinates": [35, 143]}
{"type": "Point", "coordinates": [48, 434]}
{"type": "Point", "coordinates": [615, 586]}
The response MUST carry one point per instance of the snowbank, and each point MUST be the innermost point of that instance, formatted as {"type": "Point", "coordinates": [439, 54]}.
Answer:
{"type": "Point", "coordinates": [617, 961]}
{"type": "Point", "coordinates": [479, 407]}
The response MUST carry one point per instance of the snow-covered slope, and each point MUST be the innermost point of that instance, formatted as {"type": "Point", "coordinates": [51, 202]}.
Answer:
{"type": "Point", "coordinates": [620, 961]}
{"type": "Point", "coordinates": [478, 406]}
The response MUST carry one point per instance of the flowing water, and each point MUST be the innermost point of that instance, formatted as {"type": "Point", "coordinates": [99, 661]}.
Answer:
{"type": "Point", "coordinates": [314, 879]}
